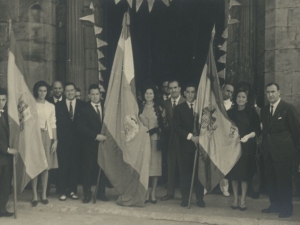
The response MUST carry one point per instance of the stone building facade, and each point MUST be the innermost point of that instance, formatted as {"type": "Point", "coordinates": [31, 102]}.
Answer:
{"type": "Point", "coordinates": [263, 47]}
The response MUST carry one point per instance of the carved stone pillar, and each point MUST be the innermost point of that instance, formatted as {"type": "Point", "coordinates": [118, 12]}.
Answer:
{"type": "Point", "coordinates": [75, 43]}
{"type": "Point", "coordinates": [282, 51]}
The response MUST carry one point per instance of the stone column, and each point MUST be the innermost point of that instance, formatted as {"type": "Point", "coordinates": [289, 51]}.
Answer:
{"type": "Point", "coordinates": [75, 44]}
{"type": "Point", "coordinates": [282, 45]}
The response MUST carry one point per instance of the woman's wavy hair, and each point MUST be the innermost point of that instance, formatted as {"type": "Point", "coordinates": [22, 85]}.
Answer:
{"type": "Point", "coordinates": [156, 101]}
{"type": "Point", "coordinates": [39, 84]}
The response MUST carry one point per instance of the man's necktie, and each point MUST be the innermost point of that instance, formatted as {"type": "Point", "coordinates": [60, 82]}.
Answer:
{"type": "Point", "coordinates": [272, 106]}
{"type": "Point", "coordinates": [173, 106]}
{"type": "Point", "coordinates": [192, 110]}
{"type": "Point", "coordinates": [98, 112]}
{"type": "Point", "coordinates": [71, 111]}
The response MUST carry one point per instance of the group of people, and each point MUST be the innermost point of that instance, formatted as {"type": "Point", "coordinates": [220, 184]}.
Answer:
{"type": "Point", "coordinates": [71, 132]}
{"type": "Point", "coordinates": [273, 130]}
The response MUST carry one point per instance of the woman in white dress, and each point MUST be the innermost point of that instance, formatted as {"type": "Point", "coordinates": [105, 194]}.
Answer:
{"type": "Point", "coordinates": [47, 124]}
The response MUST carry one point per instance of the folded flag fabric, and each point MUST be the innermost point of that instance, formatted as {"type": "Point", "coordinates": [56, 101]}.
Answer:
{"type": "Point", "coordinates": [219, 139]}
{"type": "Point", "coordinates": [125, 155]}
{"type": "Point", "coordinates": [25, 134]}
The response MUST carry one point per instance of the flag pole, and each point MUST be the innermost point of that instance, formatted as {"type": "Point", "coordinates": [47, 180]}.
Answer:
{"type": "Point", "coordinates": [14, 156]}
{"type": "Point", "coordinates": [193, 176]}
{"type": "Point", "coordinates": [97, 186]}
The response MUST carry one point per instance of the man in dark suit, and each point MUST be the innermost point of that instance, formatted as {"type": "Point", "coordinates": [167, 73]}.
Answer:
{"type": "Point", "coordinates": [90, 125]}
{"type": "Point", "coordinates": [188, 137]}
{"type": "Point", "coordinates": [69, 142]}
{"type": "Point", "coordinates": [5, 156]}
{"type": "Point", "coordinates": [57, 91]}
{"type": "Point", "coordinates": [281, 132]}
{"type": "Point", "coordinates": [173, 156]}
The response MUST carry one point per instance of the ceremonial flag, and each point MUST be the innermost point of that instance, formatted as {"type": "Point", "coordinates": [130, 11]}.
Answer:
{"type": "Point", "coordinates": [219, 139]}
{"type": "Point", "coordinates": [25, 134]}
{"type": "Point", "coordinates": [125, 155]}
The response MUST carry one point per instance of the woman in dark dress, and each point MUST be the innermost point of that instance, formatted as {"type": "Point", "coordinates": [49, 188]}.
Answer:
{"type": "Point", "coordinates": [248, 123]}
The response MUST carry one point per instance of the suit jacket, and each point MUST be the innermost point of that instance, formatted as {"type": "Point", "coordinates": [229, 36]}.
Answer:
{"type": "Point", "coordinates": [281, 132]}
{"type": "Point", "coordinates": [169, 110]}
{"type": "Point", "coordinates": [4, 141]}
{"type": "Point", "coordinates": [183, 122]}
{"type": "Point", "coordinates": [51, 99]}
{"type": "Point", "coordinates": [66, 128]}
{"type": "Point", "coordinates": [89, 126]}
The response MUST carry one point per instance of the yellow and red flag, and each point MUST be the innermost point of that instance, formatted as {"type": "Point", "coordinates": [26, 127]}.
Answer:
{"type": "Point", "coordinates": [125, 155]}
{"type": "Point", "coordinates": [219, 139]}
{"type": "Point", "coordinates": [25, 135]}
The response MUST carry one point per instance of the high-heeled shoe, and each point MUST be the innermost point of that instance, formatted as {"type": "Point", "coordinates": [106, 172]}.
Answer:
{"type": "Point", "coordinates": [44, 201]}
{"type": "Point", "coordinates": [235, 205]}
{"type": "Point", "coordinates": [153, 201]}
{"type": "Point", "coordinates": [34, 203]}
{"type": "Point", "coordinates": [243, 206]}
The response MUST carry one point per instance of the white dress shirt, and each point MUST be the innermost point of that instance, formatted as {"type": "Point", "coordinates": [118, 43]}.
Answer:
{"type": "Point", "coordinates": [227, 104]}
{"type": "Point", "coordinates": [57, 99]}
{"type": "Point", "coordinates": [190, 135]}
{"type": "Point", "coordinates": [73, 105]}
{"type": "Point", "coordinates": [99, 107]}
{"type": "Point", "coordinates": [274, 106]}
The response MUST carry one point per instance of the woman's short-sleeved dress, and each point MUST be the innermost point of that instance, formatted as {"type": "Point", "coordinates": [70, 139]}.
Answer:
{"type": "Point", "coordinates": [247, 121]}
{"type": "Point", "coordinates": [149, 119]}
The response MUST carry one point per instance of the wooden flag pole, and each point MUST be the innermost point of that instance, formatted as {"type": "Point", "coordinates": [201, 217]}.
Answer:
{"type": "Point", "coordinates": [193, 176]}
{"type": "Point", "coordinates": [97, 186]}
{"type": "Point", "coordinates": [15, 186]}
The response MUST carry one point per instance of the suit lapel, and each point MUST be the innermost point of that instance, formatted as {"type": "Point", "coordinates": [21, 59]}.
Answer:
{"type": "Point", "coordinates": [65, 109]}
{"type": "Point", "coordinates": [94, 113]}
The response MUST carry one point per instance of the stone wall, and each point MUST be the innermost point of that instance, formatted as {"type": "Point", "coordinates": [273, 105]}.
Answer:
{"type": "Point", "coordinates": [34, 25]}
{"type": "Point", "coordinates": [282, 45]}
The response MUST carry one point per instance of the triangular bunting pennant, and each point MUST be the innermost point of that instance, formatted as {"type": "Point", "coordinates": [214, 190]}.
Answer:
{"type": "Point", "coordinates": [234, 3]}
{"type": "Point", "coordinates": [167, 2]}
{"type": "Point", "coordinates": [225, 33]}
{"type": "Point", "coordinates": [117, 1]}
{"type": "Point", "coordinates": [100, 43]}
{"type": "Point", "coordinates": [92, 6]}
{"type": "Point", "coordinates": [150, 4]}
{"type": "Point", "coordinates": [100, 54]}
{"type": "Point", "coordinates": [101, 88]}
{"type": "Point", "coordinates": [138, 4]}
{"type": "Point", "coordinates": [221, 73]}
{"type": "Point", "coordinates": [100, 66]}
{"type": "Point", "coordinates": [97, 30]}
{"type": "Point", "coordinates": [232, 21]}
{"type": "Point", "coordinates": [222, 59]}
{"type": "Point", "coordinates": [130, 3]}
{"type": "Point", "coordinates": [90, 18]}
{"type": "Point", "coordinates": [224, 46]}
{"type": "Point", "coordinates": [100, 77]}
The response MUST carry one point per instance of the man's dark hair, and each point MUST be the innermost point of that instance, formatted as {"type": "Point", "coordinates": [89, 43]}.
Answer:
{"type": "Point", "coordinates": [191, 84]}
{"type": "Point", "coordinates": [273, 83]}
{"type": "Point", "coordinates": [94, 86]}
{"type": "Point", "coordinates": [172, 81]}
{"type": "Point", "coordinates": [68, 84]}
{"type": "Point", "coordinates": [39, 84]}
{"type": "Point", "coordinates": [3, 91]}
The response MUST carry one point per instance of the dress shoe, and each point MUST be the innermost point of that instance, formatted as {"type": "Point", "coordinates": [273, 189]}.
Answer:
{"type": "Point", "coordinates": [103, 198]}
{"type": "Point", "coordinates": [234, 206]}
{"type": "Point", "coordinates": [243, 207]}
{"type": "Point", "coordinates": [285, 214]}
{"type": "Point", "coordinates": [200, 203]}
{"type": "Point", "coordinates": [34, 203]}
{"type": "Point", "coordinates": [226, 194]}
{"type": "Point", "coordinates": [6, 214]}
{"type": "Point", "coordinates": [146, 201]}
{"type": "Point", "coordinates": [184, 203]}
{"type": "Point", "coordinates": [87, 199]}
{"type": "Point", "coordinates": [153, 201]}
{"type": "Point", "coordinates": [62, 198]}
{"type": "Point", "coordinates": [44, 201]}
{"type": "Point", "coordinates": [270, 210]}
{"type": "Point", "coordinates": [167, 197]}
{"type": "Point", "coordinates": [73, 196]}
